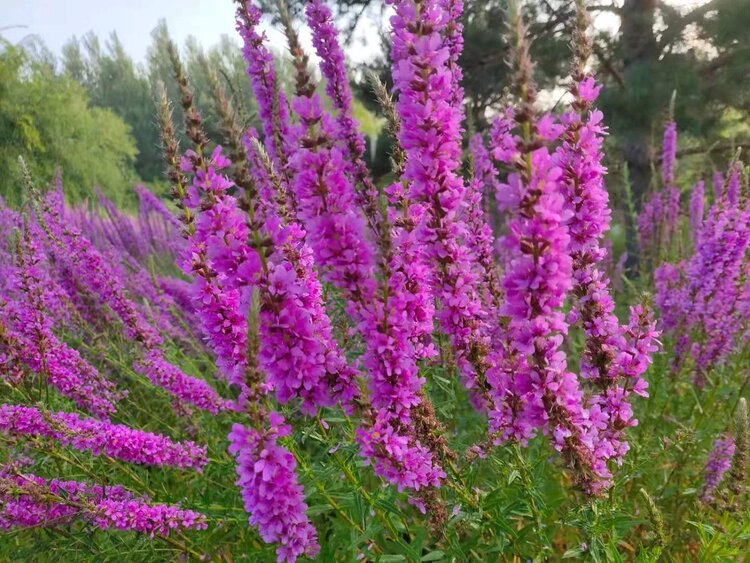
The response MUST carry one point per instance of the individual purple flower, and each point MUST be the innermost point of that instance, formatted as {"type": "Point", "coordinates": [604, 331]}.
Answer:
{"type": "Point", "coordinates": [296, 360]}
{"type": "Point", "coordinates": [114, 440]}
{"type": "Point", "coordinates": [480, 242]}
{"type": "Point", "coordinates": [150, 519]}
{"type": "Point", "coordinates": [270, 491]}
{"type": "Point", "coordinates": [395, 456]}
{"type": "Point", "coordinates": [658, 220]}
{"type": "Point", "coordinates": [580, 158]}
{"type": "Point", "coordinates": [609, 410]}
{"type": "Point", "coordinates": [335, 229]}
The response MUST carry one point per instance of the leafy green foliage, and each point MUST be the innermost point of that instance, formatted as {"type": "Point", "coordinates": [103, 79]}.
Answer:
{"type": "Point", "coordinates": [47, 119]}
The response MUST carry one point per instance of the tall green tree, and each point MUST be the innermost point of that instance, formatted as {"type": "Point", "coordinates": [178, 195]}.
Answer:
{"type": "Point", "coordinates": [48, 120]}
{"type": "Point", "coordinates": [701, 54]}
{"type": "Point", "coordinates": [113, 81]}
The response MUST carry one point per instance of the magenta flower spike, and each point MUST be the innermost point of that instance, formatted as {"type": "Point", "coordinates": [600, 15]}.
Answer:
{"type": "Point", "coordinates": [609, 360]}
{"type": "Point", "coordinates": [669, 153]}
{"type": "Point", "coordinates": [158, 224]}
{"type": "Point", "coordinates": [272, 104]}
{"type": "Point", "coordinates": [223, 266]}
{"type": "Point", "coordinates": [338, 236]}
{"type": "Point", "coordinates": [126, 238]}
{"type": "Point", "coordinates": [733, 185]}
{"type": "Point", "coordinates": [185, 388]}
{"type": "Point", "coordinates": [425, 47]}
{"type": "Point", "coordinates": [697, 197]}
{"type": "Point", "coordinates": [333, 69]}
{"type": "Point", "coordinates": [272, 496]}
{"type": "Point", "coordinates": [25, 503]}
{"type": "Point", "coordinates": [297, 354]}
{"type": "Point", "coordinates": [719, 462]}
{"type": "Point", "coordinates": [100, 437]}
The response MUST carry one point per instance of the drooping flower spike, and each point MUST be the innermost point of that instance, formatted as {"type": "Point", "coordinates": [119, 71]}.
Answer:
{"type": "Point", "coordinates": [28, 501]}
{"type": "Point", "coordinates": [114, 440]}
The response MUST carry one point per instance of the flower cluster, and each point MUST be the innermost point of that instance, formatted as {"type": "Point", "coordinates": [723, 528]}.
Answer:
{"type": "Point", "coordinates": [27, 337]}
{"type": "Point", "coordinates": [558, 214]}
{"type": "Point", "coordinates": [59, 283]}
{"type": "Point", "coordinates": [340, 239]}
{"type": "Point", "coordinates": [157, 224]}
{"type": "Point", "coordinates": [272, 104]}
{"type": "Point", "coordinates": [424, 54]}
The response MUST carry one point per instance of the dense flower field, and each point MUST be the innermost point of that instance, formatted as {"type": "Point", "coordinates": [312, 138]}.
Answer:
{"type": "Point", "coordinates": [290, 361]}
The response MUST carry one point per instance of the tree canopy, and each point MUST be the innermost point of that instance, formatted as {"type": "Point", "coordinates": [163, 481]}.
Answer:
{"type": "Point", "coordinates": [48, 120]}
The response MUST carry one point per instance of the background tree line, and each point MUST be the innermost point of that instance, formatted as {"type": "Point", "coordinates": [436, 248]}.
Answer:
{"type": "Point", "coordinates": [92, 111]}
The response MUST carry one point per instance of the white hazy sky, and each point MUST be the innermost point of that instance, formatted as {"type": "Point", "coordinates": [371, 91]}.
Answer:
{"type": "Point", "coordinates": [55, 21]}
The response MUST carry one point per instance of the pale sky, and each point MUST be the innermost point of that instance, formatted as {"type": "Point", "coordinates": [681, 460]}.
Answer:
{"type": "Point", "coordinates": [55, 21]}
